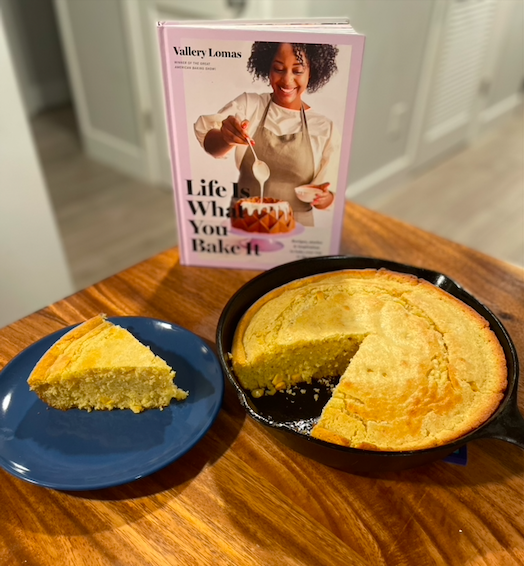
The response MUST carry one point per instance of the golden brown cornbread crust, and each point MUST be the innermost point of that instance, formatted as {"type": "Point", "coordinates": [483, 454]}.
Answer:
{"type": "Point", "coordinates": [40, 373]}
{"type": "Point", "coordinates": [102, 366]}
{"type": "Point", "coordinates": [423, 368]}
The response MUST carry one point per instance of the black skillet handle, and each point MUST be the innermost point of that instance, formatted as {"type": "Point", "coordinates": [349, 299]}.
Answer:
{"type": "Point", "coordinates": [508, 425]}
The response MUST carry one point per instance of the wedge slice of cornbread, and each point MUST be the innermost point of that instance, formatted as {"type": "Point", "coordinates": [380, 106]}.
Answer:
{"type": "Point", "coordinates": [99, 365]}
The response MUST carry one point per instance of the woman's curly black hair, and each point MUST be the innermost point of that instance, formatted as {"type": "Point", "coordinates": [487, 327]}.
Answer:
{"type": "Point", "coordinates": [320, 57]}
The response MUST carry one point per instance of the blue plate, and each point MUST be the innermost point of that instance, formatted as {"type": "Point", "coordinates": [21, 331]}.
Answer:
{"type": "Point", "coordinates": [77, 450]}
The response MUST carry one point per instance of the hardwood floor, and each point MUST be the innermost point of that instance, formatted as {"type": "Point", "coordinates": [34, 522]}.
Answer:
{"type": "Point", "coordinates": [109, 222]}
{"type": "Point", "coordinates": [475, 197]}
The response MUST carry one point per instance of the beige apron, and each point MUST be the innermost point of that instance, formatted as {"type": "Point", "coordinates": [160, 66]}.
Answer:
{"type": "Point", "coordinates": [290, 161]}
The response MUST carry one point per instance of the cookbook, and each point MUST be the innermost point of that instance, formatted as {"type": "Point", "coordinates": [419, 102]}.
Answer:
{"type": "Point", "coordinates": [260, 119]}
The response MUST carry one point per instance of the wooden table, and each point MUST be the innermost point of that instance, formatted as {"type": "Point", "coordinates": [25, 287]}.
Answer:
{"type": "Point", "coordinates": [239, 497]}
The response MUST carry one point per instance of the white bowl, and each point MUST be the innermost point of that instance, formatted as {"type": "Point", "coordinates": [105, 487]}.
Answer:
{"type": "Point", "coordinates": [307, 193]}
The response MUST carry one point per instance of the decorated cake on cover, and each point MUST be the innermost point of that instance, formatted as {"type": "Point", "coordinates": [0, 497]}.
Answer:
{"type": "Point", "coordinates": [264, 216]}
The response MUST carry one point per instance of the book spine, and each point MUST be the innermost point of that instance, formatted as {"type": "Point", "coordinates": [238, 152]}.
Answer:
{"type": "Point", "coordinates": [171, 129]}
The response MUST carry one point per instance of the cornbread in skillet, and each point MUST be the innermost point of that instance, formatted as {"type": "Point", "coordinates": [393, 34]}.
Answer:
{"type": "Point", "coordinates": [99, 365]}
{"type": "Point", "coordinates": [419, 367]}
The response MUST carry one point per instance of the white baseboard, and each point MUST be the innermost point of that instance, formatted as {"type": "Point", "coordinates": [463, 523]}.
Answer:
{"type": "Point", "coordinates": [40, 96]}
{"type": "Point", "coordinates": [115, 153]}
{"type": "Point", "coordinates": [496, 112]}
{"type": "Point", "coordinates": [392, 174]}
{"type": "Point", "coordinates": [380, 180]}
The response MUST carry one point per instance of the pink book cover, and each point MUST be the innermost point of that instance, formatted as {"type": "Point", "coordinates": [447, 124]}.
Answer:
{"type": "Point", "coordinates": [260, 121]}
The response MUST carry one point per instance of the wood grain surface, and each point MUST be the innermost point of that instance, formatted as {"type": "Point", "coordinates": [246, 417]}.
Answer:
{"type": "Point", "coordinates": [239, 497]}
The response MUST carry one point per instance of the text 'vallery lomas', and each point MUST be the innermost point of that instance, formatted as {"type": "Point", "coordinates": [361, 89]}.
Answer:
{"type": "Point", "coordinates": [205, 208]}
{"type": "Point", "coordinates": [190, 52]}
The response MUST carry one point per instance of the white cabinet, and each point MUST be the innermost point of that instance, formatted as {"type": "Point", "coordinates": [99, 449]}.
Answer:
{"type": "Point", "coordinates": [111, 49]}
{"type": "Point", "coordinates": [142, 18]}
{"type": "Point", "coordinates": [435, 74]}
{"type": "Point", "coordinates": [99, 53]}
{"type": "Point", "coordinates": [458, 42]}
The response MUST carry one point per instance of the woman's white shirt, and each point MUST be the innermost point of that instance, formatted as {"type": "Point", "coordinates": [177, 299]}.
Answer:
{"type": "Point", "coordinates": [325, 139]}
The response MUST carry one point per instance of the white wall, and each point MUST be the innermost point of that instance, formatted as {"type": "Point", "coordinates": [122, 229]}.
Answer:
{"type": "Point", "coordinates": [33, 270]}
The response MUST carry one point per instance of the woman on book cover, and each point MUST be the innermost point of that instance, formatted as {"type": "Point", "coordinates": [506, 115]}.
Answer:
{"type": "Point", "coordinates": [300, 146]}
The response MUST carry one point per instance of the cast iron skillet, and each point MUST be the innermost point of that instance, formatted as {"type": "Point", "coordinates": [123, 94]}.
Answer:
{"type": "Point", "coordinates": [290, 418]}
